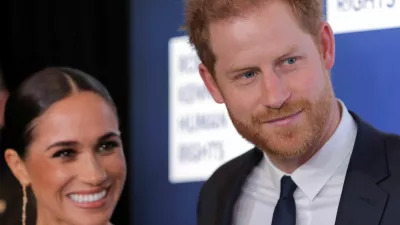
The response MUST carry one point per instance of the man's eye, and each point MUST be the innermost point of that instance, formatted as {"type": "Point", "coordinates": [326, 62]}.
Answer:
{"type": "Point", "coordinates": [249, 74]}
{"type": "Point", "coordinates": [291, 60]}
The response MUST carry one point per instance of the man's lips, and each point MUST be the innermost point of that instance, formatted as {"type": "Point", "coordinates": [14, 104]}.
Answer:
{"type": "Point", "coordinates": [281, 118]}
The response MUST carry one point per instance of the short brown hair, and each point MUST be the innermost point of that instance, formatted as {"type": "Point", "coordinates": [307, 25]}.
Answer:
{"type": "Point", "coordinates": [200, 13]}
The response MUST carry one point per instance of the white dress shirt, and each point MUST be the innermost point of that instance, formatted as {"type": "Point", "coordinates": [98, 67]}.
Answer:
{"type": "Point", "coordinates": [320, 182]}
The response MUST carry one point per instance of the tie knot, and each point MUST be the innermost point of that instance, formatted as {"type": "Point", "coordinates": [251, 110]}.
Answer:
{"type": "Point", "coordinates": [287, 187]}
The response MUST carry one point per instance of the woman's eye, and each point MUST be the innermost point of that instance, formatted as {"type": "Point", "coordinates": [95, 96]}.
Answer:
{"type": "Point", "coordinates": [108, 146]}
{"type": "Point", "coordinates": [64, 153]}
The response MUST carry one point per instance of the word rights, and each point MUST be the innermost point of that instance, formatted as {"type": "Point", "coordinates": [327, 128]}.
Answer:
{"type": "Point", "coordinates": [201, 134]}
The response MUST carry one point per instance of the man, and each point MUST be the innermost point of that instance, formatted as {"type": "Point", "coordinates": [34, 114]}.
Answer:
{"type": "Point", "coordinates": [315, 162]}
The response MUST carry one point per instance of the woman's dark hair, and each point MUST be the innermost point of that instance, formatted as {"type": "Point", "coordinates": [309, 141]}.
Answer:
{"type": "Point", "coordinates": [35, 95]}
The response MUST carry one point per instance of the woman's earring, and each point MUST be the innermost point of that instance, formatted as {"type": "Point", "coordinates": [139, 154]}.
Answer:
{"type": "Point", "coordinates": [24, 204]}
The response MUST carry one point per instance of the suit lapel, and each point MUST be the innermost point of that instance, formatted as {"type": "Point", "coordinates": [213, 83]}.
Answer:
{"type": "Point", "coordinates": [363, 201]}
{"type": "Point", "coordinates": [234, 186]}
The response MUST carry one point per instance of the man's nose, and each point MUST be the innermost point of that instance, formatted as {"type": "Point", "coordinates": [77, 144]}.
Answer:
{"type": "Point", "coordinates": [274, 91]}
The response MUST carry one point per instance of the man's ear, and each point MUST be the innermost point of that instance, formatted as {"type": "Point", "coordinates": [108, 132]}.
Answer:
{"type": "Point", "coordinates": [327, 45]}
{"type": "Point", "coordinates": [17, 166]}
{"type": "Point", "coordinates": [210, 83]}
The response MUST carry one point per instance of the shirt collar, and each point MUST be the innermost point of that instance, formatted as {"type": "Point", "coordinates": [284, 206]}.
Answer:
{"type": "Point", "coordinates": [312, 176]}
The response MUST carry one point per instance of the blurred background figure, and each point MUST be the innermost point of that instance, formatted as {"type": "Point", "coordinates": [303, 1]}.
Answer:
{"type": "Point", "coordinates": [3, 96]}
{"type": "Point", "coordinates": [10, 189]}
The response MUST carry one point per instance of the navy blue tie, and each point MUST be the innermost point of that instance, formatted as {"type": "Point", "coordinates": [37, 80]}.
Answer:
{"type": "Point", "coordinates": [285, 209]}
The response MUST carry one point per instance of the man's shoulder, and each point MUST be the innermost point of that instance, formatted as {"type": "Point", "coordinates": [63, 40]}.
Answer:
{"type": "Point", "coordinates": [220, 187]}
{"type": "Point", "coordinates": [392, 146]}
{"type": "Point", "coordinates": [378, 140]}
{"type": "Point", "coordinates": [391, 140]}
{"type": "Point", "coordinates": [229, 170]}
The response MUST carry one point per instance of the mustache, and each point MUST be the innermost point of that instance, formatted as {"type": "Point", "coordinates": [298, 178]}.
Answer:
{"type": "Point", "coordinates": [286, 110]}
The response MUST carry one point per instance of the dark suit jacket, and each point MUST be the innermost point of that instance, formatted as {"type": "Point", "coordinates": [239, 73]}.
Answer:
{"type": "Point", "coordinates": [371, 191]}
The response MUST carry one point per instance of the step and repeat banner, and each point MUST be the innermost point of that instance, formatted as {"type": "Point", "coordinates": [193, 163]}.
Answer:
{"type": "Point", "coordinates": [201, 135]}
{"type": "Point", "coordinates": [180, 135]}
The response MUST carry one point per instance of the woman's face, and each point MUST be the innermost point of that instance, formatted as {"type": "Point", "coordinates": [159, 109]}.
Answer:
{"type": "Point", "coordinates": [75, 163]}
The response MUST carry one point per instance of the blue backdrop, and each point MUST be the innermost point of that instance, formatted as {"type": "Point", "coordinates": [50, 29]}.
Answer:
{"type": "Point", "coordinates": [366, 76]}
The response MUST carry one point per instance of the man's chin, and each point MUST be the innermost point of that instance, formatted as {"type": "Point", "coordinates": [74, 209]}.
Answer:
{"type": "Point", "coordinates": [284, 147]}
{"type": "Point", "coordinates": [284, 153]}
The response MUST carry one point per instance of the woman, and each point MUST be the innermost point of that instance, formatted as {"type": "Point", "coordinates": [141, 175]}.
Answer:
{"type": "Point", "coordinates": [61, 138]}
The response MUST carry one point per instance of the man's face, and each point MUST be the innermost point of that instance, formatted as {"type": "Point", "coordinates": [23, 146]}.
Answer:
{"type": "Point", "coordinates": [273, 78]}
